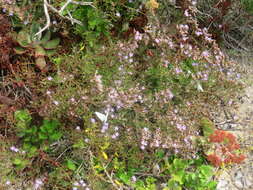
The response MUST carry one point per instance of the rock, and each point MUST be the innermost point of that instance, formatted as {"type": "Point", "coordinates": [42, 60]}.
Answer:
{"type": "Point", "coordinates": [238, 175]}
{"type": "Point", "coordinates": [222, 185]}
{"type": "Point", "coordinates": [239, 184]}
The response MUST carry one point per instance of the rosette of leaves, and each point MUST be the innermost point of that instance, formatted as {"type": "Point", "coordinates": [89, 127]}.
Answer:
{"type": "Point", "coordinates": [40, 45]}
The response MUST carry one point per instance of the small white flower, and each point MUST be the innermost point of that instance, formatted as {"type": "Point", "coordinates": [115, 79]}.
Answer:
{"type": "Point", "coordinates": [205, 53]}
{"type": "Point", "coordinates": [49, 78]}
{"type": "Point", "coordinates": [157, 40]}
{"type": "Point", "coordinates": [76, 183]}
{"type": "Point", "coordinates": [198, 33]}
{"type": "Point", "coordinates": [114, 136]}
{"type": "Point", "coordinates": [134, 179]}
{"type": "Point", "coordinates": [78, 128]}
{"type": "Point", "coordinates": [116, 128]}
{"type": "Point", "coordinates": [92, 120]}
{"type": "Point", "coordinates": [8, 182]}
{"type": "Point", "coordinates": [186, 13]}
{"type": "Point", "coordinates": [82, 183]}
{"type": "Point", "coordinates": [208, 39]}
{"type": "Point", "coordinates": [56, 102]}
{"type": "Point", "coordinates": [14, 149]}
{"type": "Point", "coordinates": [38, 183]}
{"type": "Point", "coordinates": [118, 14]}
{"type": "Point", "coordinates": [142, 147]}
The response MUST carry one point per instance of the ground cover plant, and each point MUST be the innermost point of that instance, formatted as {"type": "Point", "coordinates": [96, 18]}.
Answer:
{"type": "Point", "coordinates": [110, 95]}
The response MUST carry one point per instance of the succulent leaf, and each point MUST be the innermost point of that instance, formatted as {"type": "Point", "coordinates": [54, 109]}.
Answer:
{"type": "Point", "coordinates": [52, 44]}
{"type": "Point", "coordinates": [19, 50]}
{"type": "Point", "coordinates": [34, 29]}
{"type": "Point", "coordinates": [46, 37]}
{"type": "Point", "coordinates": [50, 52]}
{"type": "Point", "coordinates": [39, 51]}
{"type": "Point", "coordinates": [23, 39]}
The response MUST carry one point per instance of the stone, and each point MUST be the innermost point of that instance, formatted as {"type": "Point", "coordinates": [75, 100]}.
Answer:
{"type": "Point", "coordinates": [239, 183]}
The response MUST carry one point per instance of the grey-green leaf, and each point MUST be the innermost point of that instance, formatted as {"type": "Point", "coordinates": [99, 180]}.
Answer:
{"type": "Point", "coordinates": [23, 38]}
{"type": "Point", "coordinates": [39, 51]}
{"type": "Point", "coordinates": [46, 37]}
{"type": "Point", "coordinates": [50, 52]}
{"type": "Point", "coordinates": [19, 50]}
{"type": "Point", "coordinates": [52, 44]}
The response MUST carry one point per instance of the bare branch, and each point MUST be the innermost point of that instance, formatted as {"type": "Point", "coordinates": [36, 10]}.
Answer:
{"type": "Point", "coordinates": [84, 3]}
{"type": "Point", "coordinates": [47, 17]}
{"type": "Point", "coordinates": [64, 6]}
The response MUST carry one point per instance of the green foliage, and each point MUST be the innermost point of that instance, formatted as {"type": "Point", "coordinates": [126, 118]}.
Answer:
{"type": "Point", "coordinates": [147, 184]}
{"type": "Point", "coordinates": [20, 163]}
{"type": "Point", "coordinates": [181, 174]}
{"type": "Point", "coordinates": [156, 78]}
{"type": "Point", "coordinates": [94, 22]}
{"type": "Point", "coordinates": [190, 174]}
{"type": "Point", "coordinates": [248, 5]}
{"type": "Point", "coordinates": [23, 119]}
{"type": "Point", "coordinates": [71, 165]}
{"type": "Point", "coordinates": [35, 137]}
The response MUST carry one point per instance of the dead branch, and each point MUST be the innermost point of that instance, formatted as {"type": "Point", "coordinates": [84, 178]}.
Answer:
{"type": "Point", "coordinates": [47, 6]}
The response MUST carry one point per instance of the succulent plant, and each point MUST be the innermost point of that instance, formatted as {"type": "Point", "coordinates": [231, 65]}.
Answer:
{"type": "Point", "coordinates": [40, 46]}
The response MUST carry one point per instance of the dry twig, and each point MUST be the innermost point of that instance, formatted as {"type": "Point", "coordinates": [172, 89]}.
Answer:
{"type": "Point", "coordinates": [47, 6]}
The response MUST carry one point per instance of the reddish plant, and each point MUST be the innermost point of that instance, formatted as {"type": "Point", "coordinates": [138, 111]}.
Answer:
{"type": "Point", "coordinates": [220, 136]}
{"type": "Point", "coordinates": [226, 144]}
{"type": "Point", "coordinates": [214, 160]}
{"type": "Point", "coordinates": [232, 147]}
{"type": "Point", "coordinates": [231, 138]}
{"type": "Point", "coordinates": [217, 137]}
{"type": "Point", "coordinates": [233, 158]}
